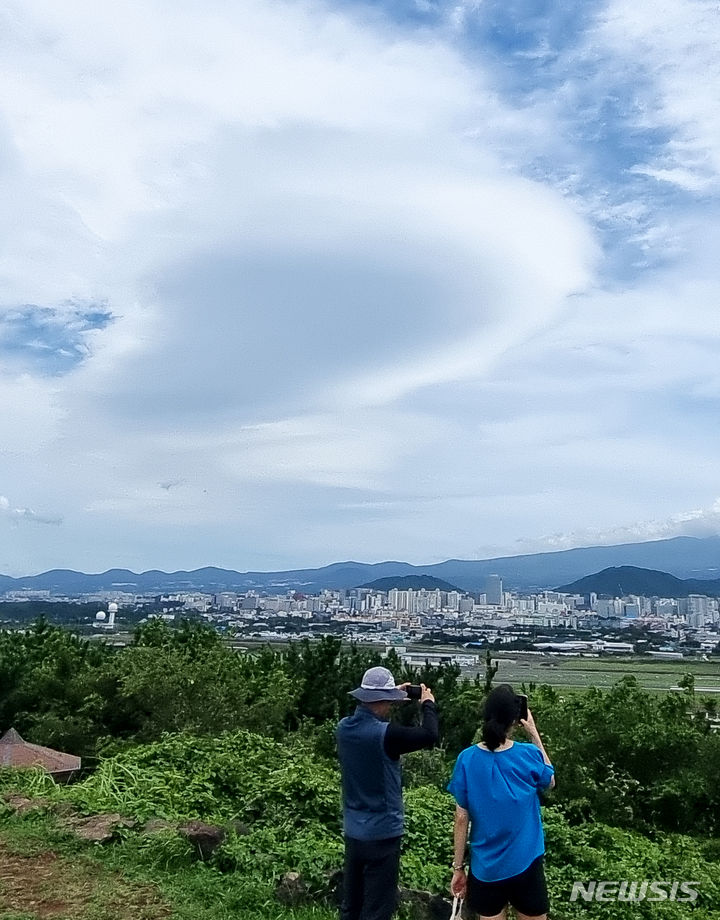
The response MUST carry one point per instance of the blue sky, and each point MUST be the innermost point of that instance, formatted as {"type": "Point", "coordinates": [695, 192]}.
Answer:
{"type": "Point", "coordinates": [289, 282]}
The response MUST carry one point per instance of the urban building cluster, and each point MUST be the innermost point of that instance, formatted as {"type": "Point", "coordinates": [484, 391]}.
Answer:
{"type": "Point", "coordinates": [496, 616]}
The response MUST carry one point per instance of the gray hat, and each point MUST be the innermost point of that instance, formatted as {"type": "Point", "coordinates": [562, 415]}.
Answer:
{"type": "Point", "coordinates": [378, 684]}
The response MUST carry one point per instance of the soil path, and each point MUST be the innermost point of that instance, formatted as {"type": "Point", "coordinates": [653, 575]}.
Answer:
{"type": "Point", "coordinates": [45, 886]}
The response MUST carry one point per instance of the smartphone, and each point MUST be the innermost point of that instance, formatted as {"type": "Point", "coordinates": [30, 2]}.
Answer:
{"type": "Point", "coordinates": [522, 706]}
{"type": "Point", "coordinates": [414, 691]}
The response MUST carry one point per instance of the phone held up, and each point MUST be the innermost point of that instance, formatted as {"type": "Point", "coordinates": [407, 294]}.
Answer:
{"type": "Point", "coordinates": [522, 707]}
{"type": "Point", "coordinates": [414, 691]}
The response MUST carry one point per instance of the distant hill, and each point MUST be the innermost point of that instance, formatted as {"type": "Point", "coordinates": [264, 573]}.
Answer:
{"type": "Point", "coordinates": [409, 582]}
{"type": "Point", "coordinates": [683, 557]}
{"type": "Point", "coordinates": [627, 579]}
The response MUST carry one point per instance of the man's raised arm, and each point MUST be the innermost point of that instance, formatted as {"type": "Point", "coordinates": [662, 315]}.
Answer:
{"type": "Point", "coordinates": [402, 739]}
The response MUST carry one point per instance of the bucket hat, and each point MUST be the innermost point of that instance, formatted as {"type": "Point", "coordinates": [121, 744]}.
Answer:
{"type": "Point", "coordinates": [378, 684]}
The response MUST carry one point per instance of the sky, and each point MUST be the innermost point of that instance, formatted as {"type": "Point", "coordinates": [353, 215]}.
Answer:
{"type": "Point", "coordinates": [287, 283]}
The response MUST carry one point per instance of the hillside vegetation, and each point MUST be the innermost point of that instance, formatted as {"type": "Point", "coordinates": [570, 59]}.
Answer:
{"type": "Point", "coordinates": [409, 582]}
{"type": "Point", "coordinates": [177, 727]}
{"type": "Point", "coordinates": [620, 581]}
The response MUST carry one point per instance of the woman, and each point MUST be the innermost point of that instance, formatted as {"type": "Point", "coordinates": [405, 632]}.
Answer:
{"type": "Point", "coordinates": [496, 785]}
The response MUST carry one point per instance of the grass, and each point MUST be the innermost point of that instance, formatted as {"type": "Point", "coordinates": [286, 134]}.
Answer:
{"type": "Point", "coordinates": [45, 874]}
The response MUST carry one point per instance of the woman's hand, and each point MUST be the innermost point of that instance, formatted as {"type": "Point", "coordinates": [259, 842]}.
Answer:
{"type": "Point", "coordinates": [530, 726]}
{"type": "Point", "coordinates": [458, 885]}
{"type": "Point", "coordinates": [534, 735]}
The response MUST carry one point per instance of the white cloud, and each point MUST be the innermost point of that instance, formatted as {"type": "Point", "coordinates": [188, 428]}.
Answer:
{"type": "Point", "coordinates": [675, 44]}
{"type": "Point", "coordinates": [344, 324]}
{"type": "Point", "coordinates": [17, 515]}
{"type": "Point", "coordinates": [702, 522]}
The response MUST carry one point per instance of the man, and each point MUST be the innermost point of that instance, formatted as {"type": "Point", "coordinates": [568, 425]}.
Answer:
{"type": "Point", "coordinates": [370, 747]}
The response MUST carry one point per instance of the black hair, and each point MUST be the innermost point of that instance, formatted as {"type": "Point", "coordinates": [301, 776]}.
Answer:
{"type": "Point", "coordinates": [501, 710]}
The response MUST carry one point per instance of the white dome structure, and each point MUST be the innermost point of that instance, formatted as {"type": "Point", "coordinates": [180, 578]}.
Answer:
{"type": "Point", "coordinates": [101, 616]}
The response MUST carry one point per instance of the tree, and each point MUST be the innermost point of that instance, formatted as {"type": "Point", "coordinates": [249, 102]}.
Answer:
{"type": "Point", "coordinates": [490, 671]}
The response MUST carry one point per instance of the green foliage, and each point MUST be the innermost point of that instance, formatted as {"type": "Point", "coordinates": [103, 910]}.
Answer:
{"type": "Point", "coordinates": [601, 853]}
{"type": "Point", "coordinates": [490, 672]}
{"type": "Point", "coordinates": [188, 728]}
{"type": "Point", "coordinates": [163, 849]}
{"type": "Point", "coordinates": [428, 841]}
{"type": "Point", "coordinates": [460, 715]}
{"type": "Point", "coordinates": [325, 673]}
{"type": "Point", "coordinates": [47, 679]}
{"type": "Point", "coordinates": [183, 777]}
{"type": "Point", "coordinates": [300, 789]}
{"type": "Point", "coordinates": [426, 768]}
{"type": "Point", "coordinates": [199, 689]}
{"type": "Point", "coordinates": [632, 758]}
{"type": "Point", "coordinates": [32, 783]}
{"type": "Point", "coordinates": [268, 852]}
{"type": "Point", "coordinates": [85, 697]}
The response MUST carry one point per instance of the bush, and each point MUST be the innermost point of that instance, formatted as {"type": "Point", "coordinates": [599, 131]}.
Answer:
{"type": "Point", "coordinates": [236, 775]}
{"type": "Point", "coordinates": [267, 853]}
{"type": "Point", "coordinates": [602, 853]}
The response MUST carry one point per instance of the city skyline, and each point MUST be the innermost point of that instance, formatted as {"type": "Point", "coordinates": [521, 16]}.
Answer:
{"type": "Point", "coordinates": [296, 281]}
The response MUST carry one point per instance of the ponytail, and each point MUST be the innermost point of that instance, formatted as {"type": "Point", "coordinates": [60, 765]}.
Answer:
{"type": "Point", "coordinates": [499, 713]}
{"type": "Point", "coordinates": [493, 734]}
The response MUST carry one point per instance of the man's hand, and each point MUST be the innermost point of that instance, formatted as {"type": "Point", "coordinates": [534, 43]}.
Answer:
{"type": "Point", "coordinates": [404, 686]}
{"type": "Point", "coordinates": [426, 694]}
{"type": "Point", "coordinates": [458, 885]}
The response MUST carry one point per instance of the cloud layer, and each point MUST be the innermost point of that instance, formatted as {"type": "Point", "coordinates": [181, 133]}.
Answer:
{"type": "Point", "coordinates": [290, 282]}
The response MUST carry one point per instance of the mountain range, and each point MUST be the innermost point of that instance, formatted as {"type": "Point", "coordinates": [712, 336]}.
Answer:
{"type": "Point", "coordinates": [683, 557]}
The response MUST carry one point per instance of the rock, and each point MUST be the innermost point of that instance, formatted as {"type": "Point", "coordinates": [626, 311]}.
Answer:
{"type": "Point", "coordinates": [335, 886]}
{"type": "Point", "coordinates": [63, 809]}
{"type": "Point", "coordinates": [206, 838]}
{"type": "Point", "coordinates": [16, 802]}
{"type": "Point", "coordinates": [291, 889]}
{"type": "Point", "coordinates": [21, 804]}
{"type": "Point", "coordinates": [423, 905]}
{"type": "Point", "coordinates": [97, 828]}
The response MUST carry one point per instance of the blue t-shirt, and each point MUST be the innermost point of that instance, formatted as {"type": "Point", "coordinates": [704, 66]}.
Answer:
{"type": "Point", "coordinates": [500, 791]}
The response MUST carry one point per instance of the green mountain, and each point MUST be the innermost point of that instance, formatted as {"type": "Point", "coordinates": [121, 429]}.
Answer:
{"type": "Point", "coordinates": [410, 583]}
{"type": "Point", "coordinates": [628, 579]}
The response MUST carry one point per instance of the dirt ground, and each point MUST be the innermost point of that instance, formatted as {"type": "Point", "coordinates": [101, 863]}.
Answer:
{"type": "Point", "coordinates": [45, 885]}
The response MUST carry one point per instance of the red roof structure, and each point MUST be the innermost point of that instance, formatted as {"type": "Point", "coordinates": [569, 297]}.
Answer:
{"type": "Point", "coordinates": [14, 752]}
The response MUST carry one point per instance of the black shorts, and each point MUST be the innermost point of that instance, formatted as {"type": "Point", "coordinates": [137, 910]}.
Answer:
{"type": "Point", "coordinates": [526, 892]}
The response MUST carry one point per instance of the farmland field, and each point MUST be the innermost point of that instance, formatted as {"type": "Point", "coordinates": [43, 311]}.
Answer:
{"type": "Point", "coordinates": [578, 672]}
{"type": "Point", "coordinates": [571, 671]}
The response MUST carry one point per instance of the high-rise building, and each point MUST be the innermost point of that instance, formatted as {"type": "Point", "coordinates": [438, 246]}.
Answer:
{"type": "Point", "coordinates": [695, 609]}
{"type": "Point", "coordinates": [494, 590]}
{"type": "Point", "coordinates": [453, 600]}
{"type": "Point", "coordinates": [609, 607]}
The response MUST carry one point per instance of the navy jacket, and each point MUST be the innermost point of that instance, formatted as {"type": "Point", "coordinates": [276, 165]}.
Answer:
{"type": "Point", "coordinates": [371, 777]}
